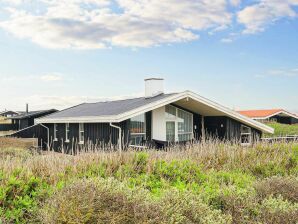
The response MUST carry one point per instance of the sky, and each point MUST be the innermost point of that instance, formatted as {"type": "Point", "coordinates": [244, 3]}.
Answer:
{"type": "Point", "coordinates": [59, 53]}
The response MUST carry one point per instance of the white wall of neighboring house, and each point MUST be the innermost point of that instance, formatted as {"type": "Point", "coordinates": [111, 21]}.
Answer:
{"type": "Point", "coordinates": [159, 124]}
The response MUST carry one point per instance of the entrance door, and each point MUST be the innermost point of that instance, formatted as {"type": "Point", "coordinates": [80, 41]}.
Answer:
{"type": "Point", "coordinates": [170, 126]}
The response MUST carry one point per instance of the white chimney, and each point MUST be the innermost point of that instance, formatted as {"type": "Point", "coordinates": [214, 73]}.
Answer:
{"type": "Point", "coordinates": [153, 87]}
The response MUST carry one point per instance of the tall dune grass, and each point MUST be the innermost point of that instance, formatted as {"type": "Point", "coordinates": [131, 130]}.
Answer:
{"type": "Point", "coordinates": [208, 182]}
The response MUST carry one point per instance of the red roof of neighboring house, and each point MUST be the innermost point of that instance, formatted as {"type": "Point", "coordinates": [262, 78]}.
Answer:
{"type": "Point", "coordinates": [260, 113]}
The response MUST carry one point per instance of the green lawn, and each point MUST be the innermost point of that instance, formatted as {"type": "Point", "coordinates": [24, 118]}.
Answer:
{"type": "Point", "coordinates": [282, 129]}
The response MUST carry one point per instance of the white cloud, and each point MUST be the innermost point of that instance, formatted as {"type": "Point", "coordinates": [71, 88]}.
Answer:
{"type": "Point", "coordinates": [226, 40]}
{"type": "Point", "coordinates": [289, 72]}
{"type": "Point", "coordinates": [96, 24]}
{"type": "Point", "coordinates": [51, 77]}
{"type": "Point", "coordinates": [284, 72]}
{"type": "Point", "coordinates": [235, 2]}
{"type": "Point", "coordinates": [91, 24]}
{"type": "Point", "coordinates": [257, 17]}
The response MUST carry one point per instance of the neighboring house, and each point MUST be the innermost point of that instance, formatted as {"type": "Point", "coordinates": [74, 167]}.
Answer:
{"type": "Point", "coordinates": [277, 115]}
{"type": "Point", "coordinates": [8, 113]}
{"type": "Point", "coordinates": [26, 119]}
{"type": "Point", "coordinates": [156, 119]}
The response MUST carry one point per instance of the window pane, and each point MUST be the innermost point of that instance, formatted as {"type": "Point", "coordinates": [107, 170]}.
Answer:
{"type": "Point", "coordinates": [67, 132]}
{"type": "Point", "coordinates": [245, 129]}
{"type": "Point", "coordinates": [137, 124]}
{"type": "Point", "coordinates": [81, 136]}
{"type": "Point", "coordinates": [137, 139]}
{"type": "Point", "coordinates": [185, 121]}
{"type": "Point", "coordinates": [184, 137]}
{"type": "Point", "coordinates": [81, 132]}
{"type": "Point", "coordinates": [170, 111]}
{"type": "Point", "coordinates": [138, 130]}
{"type": "Point", "coordinates": [245, 135]}
{"type": "Point", "coordinates": [170, 126]}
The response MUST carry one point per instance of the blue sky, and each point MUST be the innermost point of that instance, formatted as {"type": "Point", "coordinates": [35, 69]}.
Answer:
{"type": "Point", "coordinates": [242, 54]}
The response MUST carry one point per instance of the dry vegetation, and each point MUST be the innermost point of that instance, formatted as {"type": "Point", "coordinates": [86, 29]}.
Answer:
{"type": "Point", "coordinates": [210, 182]}
{"type": "Point", "coordinates": [3, 120]}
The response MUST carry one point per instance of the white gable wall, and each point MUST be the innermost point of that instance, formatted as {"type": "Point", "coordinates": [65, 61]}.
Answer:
{"type": "Point", "coordinates": [159, 124]}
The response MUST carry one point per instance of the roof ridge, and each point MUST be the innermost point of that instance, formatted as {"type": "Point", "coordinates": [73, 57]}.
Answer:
{"type": "Point", "coordinates": [132, 98]}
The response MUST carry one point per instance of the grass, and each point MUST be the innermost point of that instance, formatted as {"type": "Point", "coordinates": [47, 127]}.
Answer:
{"type": "Point", "coordinates": [282, 129]}
{"type": "Point", "coordinates": [211, 182]}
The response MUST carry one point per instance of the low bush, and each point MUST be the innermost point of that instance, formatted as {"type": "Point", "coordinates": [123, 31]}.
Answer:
{"type": "Point", "coordinates": [108, 201]}
{"type": "Point", "coordinates": [278, 211]}
{"type": "Point", "coordinates": [287, 187]}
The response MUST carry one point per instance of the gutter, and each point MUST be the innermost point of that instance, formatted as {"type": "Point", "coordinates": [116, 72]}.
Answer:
{"type": "Point", "coordinates": [120, 135]}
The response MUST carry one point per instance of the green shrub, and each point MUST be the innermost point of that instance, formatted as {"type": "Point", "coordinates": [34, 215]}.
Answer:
{"type": "Point", "coordinates": [140, 162]}
{"type": "Point", "coordinates": [19, 197]}
{"type": "Point", "coordinates": [185, 207]}
{"type": "Point", "coordinates": [278, 211]}
{"type": "Point", "coordinates": [179, 171]}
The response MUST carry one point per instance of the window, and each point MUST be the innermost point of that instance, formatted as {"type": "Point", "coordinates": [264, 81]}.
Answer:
{"type": "Point", "coordinates": [184, 125]}
{"type": "Point", "coordinates": [67, 132]}
{"type": "Point", "coordinates": [170, 132]}
{"type": "Point", "coordinates": [179, 124]}
{"type": "Point", "coordinates": [246, 137]}
{"type": "Point", "coordinates": [81, 133]}
{"type": "Point", "coordinates": [55, 132]}
{"type": "Point", "coordinates": [137, 130]}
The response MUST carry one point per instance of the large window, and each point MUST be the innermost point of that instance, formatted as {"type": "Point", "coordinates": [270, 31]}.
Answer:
{"type": "Point", "coordinates": [179, 124]}
{"type": "Point", "coordinates": [81, 133]}
{"type": "Point", "coordinates": [67, 132]}
{"type": "Point", "coordinates": [55, 132]}
{"type": "Point", "coordinates": [246, 137]}
{"type": "Point", "coordinates": [138, 130]}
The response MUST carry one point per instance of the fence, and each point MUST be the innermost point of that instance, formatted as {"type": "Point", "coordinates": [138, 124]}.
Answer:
{"type": "Point", "coordinates": [290, 138]}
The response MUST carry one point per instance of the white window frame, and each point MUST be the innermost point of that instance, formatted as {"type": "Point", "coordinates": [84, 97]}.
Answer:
{"type": "Point", "coordinates": [55, 132]}
{"type": "Point", "coordinates": [142, 133]}
{"type": "Point", "coordinates": [249, 134]}
{"type": "Point", "coordinates": [176, 120]}
{"type": "Point", "coordinates": [67, 130]}
{"type": "Point", "coordinates": [81, 130]}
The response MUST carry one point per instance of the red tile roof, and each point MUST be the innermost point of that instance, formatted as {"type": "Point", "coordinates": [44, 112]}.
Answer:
{"type": "Point", "coordinates": [259, 113]}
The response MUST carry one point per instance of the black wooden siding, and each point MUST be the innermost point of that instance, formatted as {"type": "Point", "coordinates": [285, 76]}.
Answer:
{"type": "Point", "coordinates": [8, 127]}
{"type": "Point", "coordinates": [36, 131]}
{"type": "Point", "coordinates": [285, 120]}
{"type": "Point", "coordinates": [95, 135]}
{"type": "Point", "coordinates": [148, 117]}
{"type": "Point", "coordinates": [225, 128]}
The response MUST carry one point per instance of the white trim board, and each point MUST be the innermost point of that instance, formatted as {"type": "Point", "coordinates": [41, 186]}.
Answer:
{"type": "Point", "coordinates": [151, 106]}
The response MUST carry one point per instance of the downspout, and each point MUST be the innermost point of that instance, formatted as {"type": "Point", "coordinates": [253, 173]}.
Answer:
{"type": "Point", "coordinates": [119, 137]}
